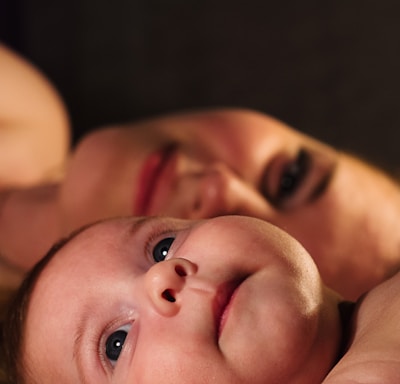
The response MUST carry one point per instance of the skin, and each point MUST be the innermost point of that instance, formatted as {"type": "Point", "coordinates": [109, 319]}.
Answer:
{"type": "Point", "coordinates": [344, 212]}
{"type": "Point", "coordinates": [270, 326]}
{"type": "Point", "coordinates": [374, 350]}
{"type": "Point", "coordinates": [32, 116]}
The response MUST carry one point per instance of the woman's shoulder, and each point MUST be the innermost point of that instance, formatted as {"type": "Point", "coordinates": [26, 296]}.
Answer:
{"type": "Point", "coordinates": [373, 355]}
{"type": "Point", "coordinates": [365, 372]}
{"type": "Point", "coordinates": [34, 124]}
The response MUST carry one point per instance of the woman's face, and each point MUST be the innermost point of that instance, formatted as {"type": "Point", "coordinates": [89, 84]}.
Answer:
{"type": "Point", "coordinates": [200, 165]}
{"type": "Point", "coordinates": [160, 300]}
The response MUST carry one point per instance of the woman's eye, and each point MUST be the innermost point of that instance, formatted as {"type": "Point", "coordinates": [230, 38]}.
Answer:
{"type": "Point", "coordinates": [161, 249]}
{"type": "Point", "coordinates": [115, 343]}
{"type": "Point", "coordinates": [292, 177]}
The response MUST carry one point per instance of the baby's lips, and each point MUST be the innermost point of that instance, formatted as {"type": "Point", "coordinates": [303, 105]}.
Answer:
{"type": "Point", "coordinates": [222, 303]}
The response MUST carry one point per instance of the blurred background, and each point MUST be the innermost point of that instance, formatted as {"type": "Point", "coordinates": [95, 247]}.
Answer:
{"type": "Point", "coordinates": [329, 68]}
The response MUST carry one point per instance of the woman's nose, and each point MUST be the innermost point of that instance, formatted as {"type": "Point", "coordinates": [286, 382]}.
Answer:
{"type": "Point", "coordinates": [223, 192]}
{"type": "Point", "coordinates": [165, 282]}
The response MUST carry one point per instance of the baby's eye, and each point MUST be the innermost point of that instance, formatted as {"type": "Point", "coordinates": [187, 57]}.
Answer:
{"type": "Point", "coordinates": [114, 344]}
{"type": "Point", "coordinates": [161, 249]}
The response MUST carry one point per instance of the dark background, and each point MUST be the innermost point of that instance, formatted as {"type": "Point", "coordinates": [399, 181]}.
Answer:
{"type": "Point", "coordinates": [329, 68]}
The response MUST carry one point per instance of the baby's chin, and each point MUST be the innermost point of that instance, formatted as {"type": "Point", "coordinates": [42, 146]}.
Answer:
{"type": "Point", "coordinates": [331, 315]}
{"type": "Point", "coordinates": [325, 345]}
{"type": "Point", "coordinates": [329, 350]}
{"type": "Point", "coordinates": [346, 311]}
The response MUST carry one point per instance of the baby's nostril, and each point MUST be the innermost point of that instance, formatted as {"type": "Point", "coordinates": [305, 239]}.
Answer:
{"type": "Point", "coordinates": [180, 271]}
{"type": "Point", "coordinates": [168, 295]}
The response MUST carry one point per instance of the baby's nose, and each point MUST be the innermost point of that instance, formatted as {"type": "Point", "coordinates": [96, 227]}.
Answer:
{"type": "Point", "coordinates": [164, 283]}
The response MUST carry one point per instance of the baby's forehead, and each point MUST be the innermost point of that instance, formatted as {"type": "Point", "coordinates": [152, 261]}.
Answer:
{"type": "Point", "coordinates": [78, 268]}
{"type": "Point", "coordinates": [83, 242]}
{"type": "Point", "coordinates": [69, 263]}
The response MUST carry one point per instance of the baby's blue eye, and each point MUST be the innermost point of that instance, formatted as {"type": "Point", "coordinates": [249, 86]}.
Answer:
{"type": "Point", "coordinates": [161, 249]}
{"type": "Point", "coordinates": [114, 345]}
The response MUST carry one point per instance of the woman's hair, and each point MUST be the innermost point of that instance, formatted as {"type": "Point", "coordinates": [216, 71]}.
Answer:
{"type": "Point", "coordinates": [13, 370]}
{"type": "Point", "coordinates": [5, 295]}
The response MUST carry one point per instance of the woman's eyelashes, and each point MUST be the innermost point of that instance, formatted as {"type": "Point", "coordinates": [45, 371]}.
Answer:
{"type": "Point", "coordinates": [161, 249]}
{"type": "Point", "coordinates": [282, 188]}
{"type": "Point", "coordinates": [292, 176]}
{"type": "Point", "coordinates": [115, 343]}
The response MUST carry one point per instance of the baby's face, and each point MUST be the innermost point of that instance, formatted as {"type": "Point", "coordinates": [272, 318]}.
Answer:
{"type": "Point", "coordinates": [161, 300]}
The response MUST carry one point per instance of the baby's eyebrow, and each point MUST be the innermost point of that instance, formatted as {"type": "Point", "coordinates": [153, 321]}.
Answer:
{"type": "Point", "coordinates": [61, 243]}
{"type": "Point", "coordinates": [141, 221]}
{"type": "Point", "coordinates": [86, 316]}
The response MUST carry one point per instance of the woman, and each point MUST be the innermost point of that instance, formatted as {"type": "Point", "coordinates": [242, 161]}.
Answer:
{"type": "Point", "coordinates": [34, 138]}
{"type": "Point", "coordinates": [204, 164]}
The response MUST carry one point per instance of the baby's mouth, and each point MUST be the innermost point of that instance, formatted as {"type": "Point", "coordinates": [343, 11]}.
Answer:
{"type": "Point", "coordinates": [222, 303]}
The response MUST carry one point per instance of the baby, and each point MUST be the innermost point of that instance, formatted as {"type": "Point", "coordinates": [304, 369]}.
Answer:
{"type": "Point", "coordinates": [160, 300]}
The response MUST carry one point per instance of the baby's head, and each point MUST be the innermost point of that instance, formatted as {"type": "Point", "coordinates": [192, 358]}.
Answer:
{"type": "Point", "coordinates": [150, 300]}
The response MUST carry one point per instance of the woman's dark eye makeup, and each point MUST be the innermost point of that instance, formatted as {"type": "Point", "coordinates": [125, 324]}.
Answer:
{"type": "Point", "coordinates": [292, 175]}
{"type": "Point", "coordinates": [291, 179]}
{"type": "Point", "coordinates": [161, 249]}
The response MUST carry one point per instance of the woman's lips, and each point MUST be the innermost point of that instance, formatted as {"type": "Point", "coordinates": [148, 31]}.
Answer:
{"type": "Point", "coordinates": [154, 178]}
{"type": "Point", "coordinates": [222, 304]}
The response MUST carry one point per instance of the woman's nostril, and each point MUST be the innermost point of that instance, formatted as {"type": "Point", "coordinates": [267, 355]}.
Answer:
{"type": "Point", "coordinates": [168, 295]}
{"type": "Point", "coordinates": [180, 271]}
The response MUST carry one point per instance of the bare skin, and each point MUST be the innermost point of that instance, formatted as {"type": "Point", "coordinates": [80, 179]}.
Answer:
{"type": "Point", "coordinates": [374, 350]}
{"type": "Point", "coordinates": [343, 211]}
{"type": "Point", "coordinates": [173, 301]}
{"type": "Point", "coordinates": [199, 165]}
{"type": "Point", "coordinates": [34, 126]}
{"type": "Point", "coordinates": [34, 139]}
{"type": "Point", "coordinates": [159, 283]}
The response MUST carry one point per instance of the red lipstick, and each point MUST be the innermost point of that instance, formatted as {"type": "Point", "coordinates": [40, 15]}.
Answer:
{"type": "Point", "coordinates": [151, 171]}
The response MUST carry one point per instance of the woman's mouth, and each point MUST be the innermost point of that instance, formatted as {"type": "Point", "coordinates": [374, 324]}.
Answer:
{"type": "Point", "coordinates": [155, 176]}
